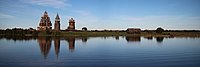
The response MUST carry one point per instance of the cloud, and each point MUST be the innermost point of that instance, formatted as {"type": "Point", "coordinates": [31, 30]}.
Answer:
{"type": "Point", "coordinates": [4, 16]}
{"type": "Point", "coordinates": [88, 19]}
{"type": "Point", "coordinates": [86, 16]}
{"type": "Point", "coordinates": [162, 19]}
{"type": "Point", "coordinates": [49, 3]}
{"type": "Point", "coordinates": [170, 22]}
{"type": "Point", "coordinates": [83, 13]}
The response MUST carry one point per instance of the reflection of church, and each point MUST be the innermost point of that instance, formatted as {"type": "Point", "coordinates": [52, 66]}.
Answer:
{"type": "Point", "coordinates": [57, 45]}
{"type": "Point", "coordinates": [45, 44]}
{"type": "Point", "coordinates": [71, 43]}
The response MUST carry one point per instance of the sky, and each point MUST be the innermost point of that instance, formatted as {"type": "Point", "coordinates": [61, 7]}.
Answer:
{"type": "Point", "coordinates": [103, 14]}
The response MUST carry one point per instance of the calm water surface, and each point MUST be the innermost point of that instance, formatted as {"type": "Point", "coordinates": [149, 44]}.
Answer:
{"type": "Point", "coordinates": [100, 52]}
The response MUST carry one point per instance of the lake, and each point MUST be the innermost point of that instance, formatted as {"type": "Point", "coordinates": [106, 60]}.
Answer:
{"type": "Point", "coordinates": [100, 52]}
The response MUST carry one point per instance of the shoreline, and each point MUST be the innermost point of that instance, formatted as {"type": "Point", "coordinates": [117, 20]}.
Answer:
{"type": "Point", "coordinates": [99, 34]}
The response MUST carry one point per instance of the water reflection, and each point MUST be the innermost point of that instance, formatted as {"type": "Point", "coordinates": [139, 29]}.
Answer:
{"type": "Point", "coordinates": [133, 38]}
{"type": "Point", "coordinates": [159, 39]}
{"type": "Point", "coordinates": [57, 45]}
{"type": "Point", "coordinates": [71, 43]}
{"type": "Point", "coordinates": [138, 38]}
{"type": "Point", "coordinates": [149, 38]}
{"type": "Point", "coordinates": [116, 37]}
{"type": "Point", "coordinates": [176, 52]}
{"type": "Point", "coordinates": [84, 39]}
{"type": "Point", "coordinates": [45, 45]}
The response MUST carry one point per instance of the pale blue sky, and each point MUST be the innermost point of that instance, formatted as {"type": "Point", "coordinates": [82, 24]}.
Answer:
{"type": "Point", "coordinates": [103, 14]}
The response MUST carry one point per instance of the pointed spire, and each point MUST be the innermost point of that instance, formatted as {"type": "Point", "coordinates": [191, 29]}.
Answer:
{"type": "Point", "coordinates": [45, 12]}
{"type": "Point", "coordinates": [57, 16]}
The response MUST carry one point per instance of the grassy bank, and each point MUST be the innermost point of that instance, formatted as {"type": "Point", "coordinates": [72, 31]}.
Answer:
{"type": "Point", "coordinates": [145, 34]}
{"type": "Point", "coordinates": [159, 32]}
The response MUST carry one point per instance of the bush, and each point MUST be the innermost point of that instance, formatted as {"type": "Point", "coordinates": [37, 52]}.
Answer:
{"type": "Point", "coordinates": [159, 30]}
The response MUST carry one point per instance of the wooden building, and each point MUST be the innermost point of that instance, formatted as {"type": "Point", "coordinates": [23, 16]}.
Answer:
{"type": "Point", "coordinates": [71, 26]}
{"type": "Point", "coordinates": [45, 23]}
{"type": "Point", "coordinates": [57, 23]}
{"type": "Point", "coordinates": [133, 30]}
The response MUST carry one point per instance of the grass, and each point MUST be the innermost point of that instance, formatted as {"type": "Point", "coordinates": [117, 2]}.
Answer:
{"type": "Point", "coordinates": [145, 34]}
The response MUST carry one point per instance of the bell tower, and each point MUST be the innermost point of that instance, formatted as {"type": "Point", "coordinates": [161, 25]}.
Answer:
{"type": "Point", "coordinates": [57, 23]}
{"type": "Point", "coordinates": [71, 26]}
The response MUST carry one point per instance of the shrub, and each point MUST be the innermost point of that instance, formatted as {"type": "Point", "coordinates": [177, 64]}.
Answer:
{"type": "Point", "coordinates": [159, 30]}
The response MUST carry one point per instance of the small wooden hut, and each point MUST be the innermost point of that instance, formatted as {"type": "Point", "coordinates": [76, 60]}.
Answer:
{"type": "Point", "coordinates": [133, 30]}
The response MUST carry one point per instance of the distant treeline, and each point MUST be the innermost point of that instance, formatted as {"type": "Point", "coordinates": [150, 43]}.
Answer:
{"type": "Point", "coordinates": [19, 32]}
{"type": "Point", "coordinates": [34, 32]}
{"type": "Point", "coordinates": [99, 31]}
{"type": "Point", "coordinates": [172, 30]}
{"type": "Point", "coordinates": [181, 30]}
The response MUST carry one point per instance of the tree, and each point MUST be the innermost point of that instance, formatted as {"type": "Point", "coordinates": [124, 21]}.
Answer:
{"type": "Point", "coordinates": [159, 30]}
{"type": "Point", "coordinates": [84, 29]}
{"type": "Point", "coordinates": [48, 31]}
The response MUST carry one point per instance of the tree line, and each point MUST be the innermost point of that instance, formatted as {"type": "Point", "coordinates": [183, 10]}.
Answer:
{"type": "Point", "coordinates": [18, 31]}
{"type": "Point", "coordinates": [34, 32]}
